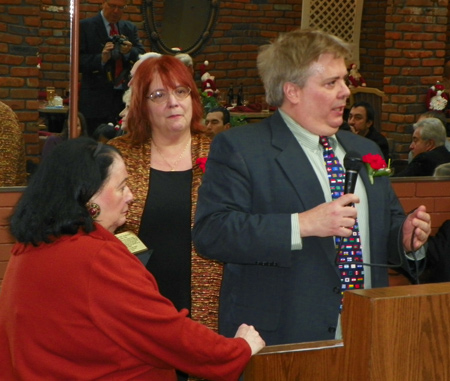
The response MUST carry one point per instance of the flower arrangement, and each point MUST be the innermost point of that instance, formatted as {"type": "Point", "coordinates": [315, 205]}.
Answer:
{"type": "Point", "coordinates": [201, 162]}
{"type": "Point", "coordinates": [376, 166]}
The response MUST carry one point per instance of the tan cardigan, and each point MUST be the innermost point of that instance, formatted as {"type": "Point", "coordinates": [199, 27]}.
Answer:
{"type": "Point", "coordinates": [206, 274]}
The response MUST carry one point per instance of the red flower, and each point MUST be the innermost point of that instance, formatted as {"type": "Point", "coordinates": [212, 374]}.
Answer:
{"type": "Point", "coordinates": [201, 162]}
{"type": "Point", "coordinates": [376, 162]}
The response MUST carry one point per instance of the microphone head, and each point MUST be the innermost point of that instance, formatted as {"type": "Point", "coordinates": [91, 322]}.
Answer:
{"type": "Point", "coordinates": [353, 161]}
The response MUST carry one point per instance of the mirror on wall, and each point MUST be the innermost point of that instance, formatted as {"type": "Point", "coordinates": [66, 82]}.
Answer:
{"type": "Point", "coordinates": [186, 25]}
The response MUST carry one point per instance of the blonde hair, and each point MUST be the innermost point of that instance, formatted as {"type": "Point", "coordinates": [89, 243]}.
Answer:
{"type": "Point", "coordinates": [289, 59]}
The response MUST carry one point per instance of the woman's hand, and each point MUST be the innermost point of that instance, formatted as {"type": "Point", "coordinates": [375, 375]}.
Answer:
{"type": "Point", "coordinates": [251, 336]}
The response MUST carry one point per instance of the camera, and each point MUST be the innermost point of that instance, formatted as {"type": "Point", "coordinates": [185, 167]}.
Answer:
{"type": "Point", "coordinates": [117, 41]}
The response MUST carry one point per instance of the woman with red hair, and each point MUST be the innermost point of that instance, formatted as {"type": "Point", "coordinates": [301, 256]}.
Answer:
{"type": "Point", "coordinates": [163, 150]}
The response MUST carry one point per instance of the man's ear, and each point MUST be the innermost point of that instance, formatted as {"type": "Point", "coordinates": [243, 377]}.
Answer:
{"type": "Point", "coordinates": [291, 92]}
{"type": "Point", "coordinates": [226, 126]}
{"type": "Point", "coordinates": [430, 144]}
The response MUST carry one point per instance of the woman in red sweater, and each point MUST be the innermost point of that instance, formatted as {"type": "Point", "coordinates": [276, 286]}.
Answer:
{"type": "Point", "coordinates": [76, 304]}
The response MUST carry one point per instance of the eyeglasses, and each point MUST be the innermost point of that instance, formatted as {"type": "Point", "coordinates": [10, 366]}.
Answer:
{"type": "Point", "coordinates": [117, 7]}
{"type": "Point", "coordinates": [162, 96]}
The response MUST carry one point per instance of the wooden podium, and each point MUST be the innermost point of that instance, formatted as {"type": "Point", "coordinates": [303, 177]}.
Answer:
{"type": "Point", "coordinates": [389, 334]}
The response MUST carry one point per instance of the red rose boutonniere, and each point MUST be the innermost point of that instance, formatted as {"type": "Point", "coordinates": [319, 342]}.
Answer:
{"type": "Point", "coordinates": [201, 162]}
{"type": "Point", "coordinates": [376, 166]}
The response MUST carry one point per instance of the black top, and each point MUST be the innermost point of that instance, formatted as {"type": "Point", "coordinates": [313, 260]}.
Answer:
{"type": "Point", "coordinates": [166, 229]}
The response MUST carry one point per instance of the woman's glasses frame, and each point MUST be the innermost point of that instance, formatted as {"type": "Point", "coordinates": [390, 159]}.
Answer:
{"type": "Point", "coordinates": [162, 95]}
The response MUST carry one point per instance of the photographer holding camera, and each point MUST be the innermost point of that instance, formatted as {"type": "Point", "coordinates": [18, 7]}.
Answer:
{"type": "Point", "coordinates": [109, 47]}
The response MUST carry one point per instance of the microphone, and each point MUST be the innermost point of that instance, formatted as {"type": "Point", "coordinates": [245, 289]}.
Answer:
{"type": "Point", "coordinates": [352, 163]}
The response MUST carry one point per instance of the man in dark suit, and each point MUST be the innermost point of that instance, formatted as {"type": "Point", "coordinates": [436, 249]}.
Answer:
{"type": "Point", "coordinates": [104, 69]}
{"type": "Point", "coordinates": [265, 208]}
{"type": "Point", "coordinates": [427, 147]}
{"type": "Point", "coordinates": [361, 120]}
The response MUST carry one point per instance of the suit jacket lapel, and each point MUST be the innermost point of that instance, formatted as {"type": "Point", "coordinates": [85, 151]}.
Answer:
{"type": "Point", "coordinates": [121, 26]}
{"type": "Point", "coordinates": [295, 164]}
{"type": "Point", "coordinates": [100, 28]}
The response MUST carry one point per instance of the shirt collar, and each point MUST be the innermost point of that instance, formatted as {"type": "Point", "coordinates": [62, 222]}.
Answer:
{"type": "Point", "coordinates": [306, 138]}
{"type": "Point", "coordinates": [106, 22]}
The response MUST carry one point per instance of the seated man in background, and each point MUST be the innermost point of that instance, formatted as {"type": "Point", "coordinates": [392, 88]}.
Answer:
{"type": "Point", "coordinates": [438, 115]}
{"type": "Point", "coordinates": [217, 120]}
{"type": "Point", "coordinates": [12, 149]}
{"type": "Point", "coordinates": [361, 120]}
{"type": "Point", "coordinates": [427, 147]}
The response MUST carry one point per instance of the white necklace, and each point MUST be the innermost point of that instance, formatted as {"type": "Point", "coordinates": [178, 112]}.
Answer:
{"type": "Point", "coordinates": [175, 163]}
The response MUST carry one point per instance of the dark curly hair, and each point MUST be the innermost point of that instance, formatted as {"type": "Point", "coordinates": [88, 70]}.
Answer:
{"type": "Point", "coordinates": [54, 202]}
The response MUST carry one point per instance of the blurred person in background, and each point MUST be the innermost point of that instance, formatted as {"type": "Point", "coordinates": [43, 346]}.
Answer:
{"type": "Point", "coordinates": [107, 131]}
{"type": "Point", "coordinates": [52, 141]}
{"type": "Point", "coordinates": [142, 58]}
{"type": "Point", "coordinates": [109, 46]}
{"type": "Point", "coordinates": [442, 170]}
{"type": "Point", "coordinates": [427, 147]}
{"type": "Point", "coordinates": [361, 120]}
{"type": "Point", "coordinates": [187, 60]}
{"type": "Point", "coordinates": [217, 120]}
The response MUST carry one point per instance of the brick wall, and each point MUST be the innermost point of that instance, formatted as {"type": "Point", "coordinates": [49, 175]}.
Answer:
{"type": "Point", "coordinates": [434, 194]}
{"type": "Point", "coordinates": [19, 76]}
{"type": "Point", "coordinates": [416, 43]}
{"type": "Point", "coordinates": [372, 45]}
{"type": "Point", "coordinates": [404, 46]}
{"type": "Point", "coordinates": [242, 27]}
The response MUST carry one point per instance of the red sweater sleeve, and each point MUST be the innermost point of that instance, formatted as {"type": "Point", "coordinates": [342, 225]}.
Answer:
{"type": "Point", "coordinates": [125, 304]}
